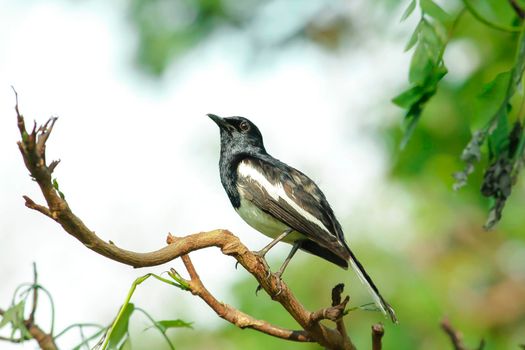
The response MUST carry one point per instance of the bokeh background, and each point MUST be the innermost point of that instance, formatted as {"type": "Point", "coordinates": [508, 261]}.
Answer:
{"type": "Point", "coordinates": [131, 82]}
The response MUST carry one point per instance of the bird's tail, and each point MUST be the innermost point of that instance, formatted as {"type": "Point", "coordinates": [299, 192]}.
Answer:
{"type": "Point", "coordinates": [372, 289]}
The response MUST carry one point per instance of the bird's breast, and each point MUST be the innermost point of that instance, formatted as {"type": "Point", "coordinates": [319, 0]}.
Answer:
{"type": "Point", "coordinates": [265, 223]}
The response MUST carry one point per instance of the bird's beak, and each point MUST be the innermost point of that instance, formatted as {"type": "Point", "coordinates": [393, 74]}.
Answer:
{"type": "Point", "coordinates": [223, 125]}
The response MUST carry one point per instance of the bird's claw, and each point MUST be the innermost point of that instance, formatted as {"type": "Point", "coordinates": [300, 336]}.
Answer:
{"type": "Point", "coordinates": [260, 255]}
{"type": "Point", "coordinates": [277, 275]}
{"type": "Point", "coordinates": [258, 289]}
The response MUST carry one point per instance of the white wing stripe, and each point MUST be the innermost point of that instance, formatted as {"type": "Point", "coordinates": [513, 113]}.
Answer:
{"type": "Point", "coordinates": [277, 191]}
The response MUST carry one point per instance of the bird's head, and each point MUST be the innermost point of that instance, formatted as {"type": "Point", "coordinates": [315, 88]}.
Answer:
{"type": "Point", "coordinates": [239, 135]}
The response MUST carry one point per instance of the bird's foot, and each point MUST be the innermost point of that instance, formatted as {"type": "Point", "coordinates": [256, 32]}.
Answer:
{"type": "Point", "coordinates": [277, 276]}
{"type": "Point", "coordinates": [260, 254]}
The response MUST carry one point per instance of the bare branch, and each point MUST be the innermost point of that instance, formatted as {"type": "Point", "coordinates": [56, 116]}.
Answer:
{"type": "Point", "coordinates": [456, 337]}
{"type": "Point", "coordinates": [31, 318]}
{"type": "Point", "coordinates": [32, 148]}
{"type": "Point", "coordinates": [336, 302]}
{"type": "Point", "coordinates": [377, 335]}
{"type": "Point", "coordinates": [336, 311]}
{"type": "Point", "coordinates": [32, 205]}
{"type": "Point", "coordinates": [44, 340]}
{"type": "Point", "coordinates": [235, 316]}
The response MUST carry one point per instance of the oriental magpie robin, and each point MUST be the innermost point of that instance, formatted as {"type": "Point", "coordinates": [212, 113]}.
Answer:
{"type": "Point", "coordinates": [282, 202]}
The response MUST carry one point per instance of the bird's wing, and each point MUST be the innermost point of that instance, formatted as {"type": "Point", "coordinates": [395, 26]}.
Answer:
{"type": "Point", "coordinates": [290, 196]}
{"type": "Point", "coordinates": [294, 199]}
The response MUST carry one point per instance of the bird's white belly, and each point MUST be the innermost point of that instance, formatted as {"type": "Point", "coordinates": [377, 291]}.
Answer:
{"type": "Point", "coordinates": [265, 223]}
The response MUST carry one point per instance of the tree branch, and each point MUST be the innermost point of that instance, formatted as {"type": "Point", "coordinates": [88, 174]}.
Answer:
{"type": "Point", "coordinates": [31, 318]}
{"type": "Point", "coordinates": [234, 316]}
{"type": "Point", "coordinates": [32, 147]}
{"type": "Point", "coordinates": [456, 338]}
{"type": "Point", "coordinates": [377, 335]}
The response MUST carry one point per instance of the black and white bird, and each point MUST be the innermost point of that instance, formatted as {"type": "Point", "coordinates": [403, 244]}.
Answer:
{"type": "Point", "coordinates": [282, 202]}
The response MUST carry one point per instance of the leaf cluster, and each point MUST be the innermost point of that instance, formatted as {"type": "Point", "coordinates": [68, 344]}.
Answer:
{"type": "Point", "coordinates": [502, 131]}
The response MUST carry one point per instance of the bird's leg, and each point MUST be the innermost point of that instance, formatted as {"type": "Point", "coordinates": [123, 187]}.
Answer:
{"type": "Point", "coordinates": [279, 273]}
{"type": "Point", "coordinates": [261, 253]}
{"type": "Point", "coordinates": [296, 246]}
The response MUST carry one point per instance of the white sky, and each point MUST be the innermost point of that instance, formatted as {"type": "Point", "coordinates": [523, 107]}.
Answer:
{"type": "Point", "coordinates": [139, 159]}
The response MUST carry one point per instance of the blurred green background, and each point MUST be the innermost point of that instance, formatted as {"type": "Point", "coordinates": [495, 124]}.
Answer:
{"type": "Point", "coordinates": [444, 264]}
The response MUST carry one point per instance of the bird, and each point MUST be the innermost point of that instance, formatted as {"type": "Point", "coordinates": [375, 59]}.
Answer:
{"type": "Point", "coordinates": [283, 203]}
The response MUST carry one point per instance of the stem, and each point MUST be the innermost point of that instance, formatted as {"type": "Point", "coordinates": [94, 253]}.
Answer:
{"type": "Point", "coordinates": [128, 298]}
{"type": "Point", "coordinates": [155, 325]}
{"type": "Point", "coordinates": [485, 21]}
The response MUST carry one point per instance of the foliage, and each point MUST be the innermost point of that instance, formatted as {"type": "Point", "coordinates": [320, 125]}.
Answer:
{"type": "Point", "coordinates": [114, 337]}
{"type": "Point", "coordinates": [427, 68]}
{"type": "Point", "coordinates": [117, 335]}
{"type": "Point", "coordinates": [168, 30]}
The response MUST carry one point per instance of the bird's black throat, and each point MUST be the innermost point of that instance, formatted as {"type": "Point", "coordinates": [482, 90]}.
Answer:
{"type": "Point", "coordinates": [240, 139]}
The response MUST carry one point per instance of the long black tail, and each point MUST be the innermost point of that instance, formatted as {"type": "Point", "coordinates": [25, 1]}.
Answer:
{"type": "Point", "coordinates": [372, 289]}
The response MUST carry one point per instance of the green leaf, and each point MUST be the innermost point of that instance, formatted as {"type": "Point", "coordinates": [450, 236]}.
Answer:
{"type": "Point", "coordinates": [410, 8]}
{"type": "Point", "coordinates": [413, 38]}
{"type": "Point", "coordinates": [164, 325]}
{"type": "Point", "coordinates": [119, 333]}
{"type": "Point", "coordinates": [496, 89]}
{"type": "Point", "coordinates": [432, 9]}
{"type": "Point", "coordinates": [408, 97]}
{"type": "Point", "coordinates": [14, 315]}
{"type": "Point", "coordinates": [411, 118]}
{"type": "Point", "coordinates": [159, 327]}
{"type": "Point", "coordinates": [421, 65]}
{"type": "Point", "coordinates": [126, 345]}
{"type": "Point", "coordinates": [432, 42]}
{"type": "Point", "coordinates": [55, 185]}
{"type": "Point", "coordinates": [499, 137]}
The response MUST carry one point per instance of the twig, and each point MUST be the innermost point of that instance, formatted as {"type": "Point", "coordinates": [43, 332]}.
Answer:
{"type": "Point", "coordinates": [32, 205]}
{"type": "Point", "coordinates": [456, 338]}
{"type": "Point", "coordinates": [377, 335]}
{"type": "Point", "coordinates": [336, 311]}
{"type": "Point", "coordinates": [31, 318]}
{"type": "Point", "coordinates": [235, 316]}
{"type": "Point", "coordinates": [32, 148]}
{"type": "Point", "coordinates": [474, 12]}
{"type": "Point", "coordinates": [336, 302]}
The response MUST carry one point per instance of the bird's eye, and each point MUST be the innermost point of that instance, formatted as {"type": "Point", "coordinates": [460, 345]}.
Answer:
{"type": "Point", "coordinates": [244, 126]}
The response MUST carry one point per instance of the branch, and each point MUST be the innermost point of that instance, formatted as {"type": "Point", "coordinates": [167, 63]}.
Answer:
{"type": "Point", "coordinates": [377, 335]}
{"type": "Point", "coordinates": [35, 295]}
{"type": "Point", "coordinates": [32, 147]}
{"type": "Point", "coordinates": [456, 337]}
{"type": "Point", "coordinates": [234, 316]}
